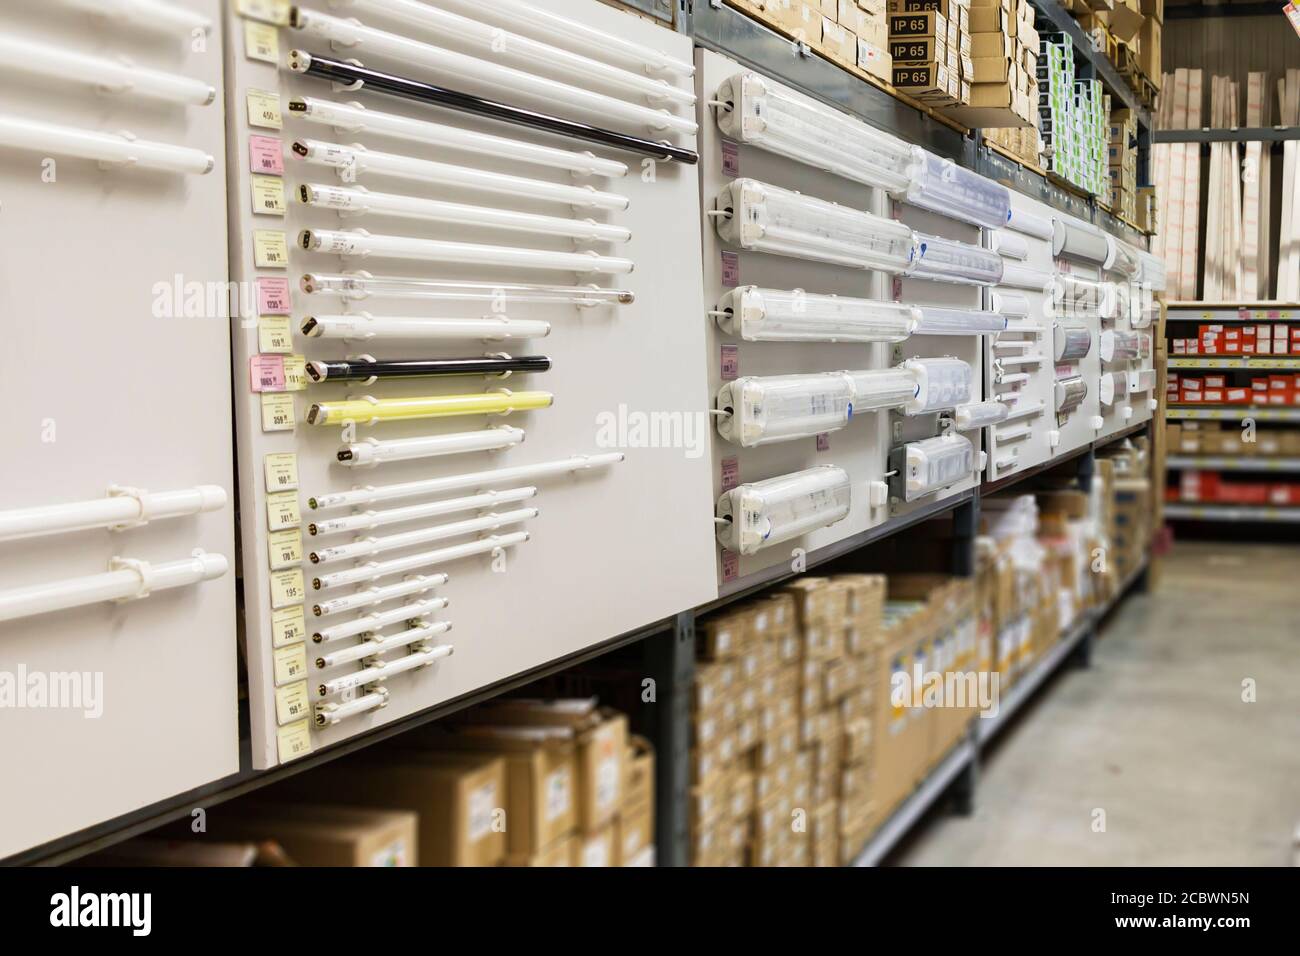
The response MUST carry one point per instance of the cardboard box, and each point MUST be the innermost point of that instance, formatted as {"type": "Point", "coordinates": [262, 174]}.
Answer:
{"type": "Point", "coordinates": [874, 58]}
{"type": "Point", "coordinates": [926, 24]}
{"type": "Point", "coordinates": [324, 835]}
{"type": "Point", "coordinates": [922, 79]}
{"type": "Point", "coordinates": [559, 853]}
{"type": "Point", "coordinates": [635, 835]}
{"type": "Point", "coordinates": [918, 49]}
{"type": "Point", "coordinates": [599, 848]}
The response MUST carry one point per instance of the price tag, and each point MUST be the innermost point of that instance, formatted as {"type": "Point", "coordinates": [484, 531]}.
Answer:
{"type": "Point", "coordinates": [292, 703]}
{"type": "Point", "coordinates": [274, 334]}
{"type": "Point", "coordinates": [287, 588]}
{"type": "Point", "coordinates": [270, 250]}
{"type": "Point", "coordinates": [730, 473]}
{"type": "Point", "coordinates": [264, 109]}
{"type": "Point", "coordinates": [289, 664]}
{"type": "Point", "coordinates": [261, 42]}
{"type": "Point", "coordinates": [288, 626]}
{"type": "Point", "coordinates": [730, 565]}
{"type": "Point", "coordinates": [824, 442]}
{"type": "Point", "coordinates": [295, 373]}
{"type": "Point", "coordinates": [730, 158]}
{"type": "Point", "coordinates": [730, 270]}
{"type": "Point", "coordinates": [730, 363]}
{"type": "Point", "coordinates": [268, 11]}
{"type": "Point", "coordinates": [266, 373]}
{"type": "Point", "coordinates": [277, 412]}
{"type": "Point", "coordinates": [283, 511]}
{"type": "Point", "coordinates": [294, 741]}
{"type": "Point", "coordinates": [285, 548]}
{"type": "Point", "coordinates": [268, 196]}
{"type": "Point", "coordinates": [281, 471]}
{"type": "Point", "coordinates": [273, 296]}
{"type": "Point", "coordinates": [265, 155]}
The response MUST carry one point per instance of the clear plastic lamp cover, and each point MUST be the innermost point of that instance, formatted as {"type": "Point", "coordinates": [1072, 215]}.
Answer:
{"type": "Point", "coordinates": [767, 512]}
{"type": "Point", "coordinates": [936, 463]}
{"type": "Point", "coordinates": [1070, 393]}
{"type": "Point", "coordinates": [1074, 240]}
{"type": "Point", "coordinates": [936, 320]}
{"type": "Point", "coordinates": [940, 383]}
{"type": "Point", "coordinates": [1122, 258]}
{"type": "Point", "coordinates": [980, 415]}
{"type": "Point", "coordinates": [1119, 346]}
{"type": "Point", "coordinates": [779, 120]}
{"type": "Point", "coordinates": [1011, 303]}
{"type": "Point", "coordinates": [770, 219]}
{"type": "Point", "coordinates": [1071, 342]}
{"type": "Point", "coordinates": [774, 315]}
{"type": "Point", "coordinates": [942, 186]}
{"type": "Point", "coordinates": [946, 260]}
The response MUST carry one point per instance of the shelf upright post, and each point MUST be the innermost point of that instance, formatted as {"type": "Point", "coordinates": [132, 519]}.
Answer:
{"type": "Point", "coordinates": [670, 663]}
{"type": "Point", "coordinates": [965, 526]}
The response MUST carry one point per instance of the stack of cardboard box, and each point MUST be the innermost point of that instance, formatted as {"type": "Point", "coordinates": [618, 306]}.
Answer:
{"type": "Point", "coordinates": [930, 43]}
{"type": "Point", "coordinates": [1127, 471]}
{"type": "Point", "coordinates": [1121, 154]}
{"type": "Point", "coordinates": [852, 32]}
{"type": "Point", "coordinates": [1073, 119]}
{"type": "Point", "coordinates": [1003, 73]}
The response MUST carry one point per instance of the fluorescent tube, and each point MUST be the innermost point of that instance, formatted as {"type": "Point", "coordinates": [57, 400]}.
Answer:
{"type": "Point", "coordinates": [147, 14]}
{"type": "Point", "coordinates": [382, 644]}
{"type": "Point", "coordinates": [372, 451]}
{"type": "Point", "coordinates": [946, 260]}
{"type": "Point", "coordinates": [111, 149]}
{"type": "Point", "coordinates": [366, 547]}
{"type": "Point", "coordinates": [355, 286]}
{"type": "Point", "coordinates": [941, 186]}
{"type": "Point", "coordinates": [363, 325]}
{"type": "Point", "coordinates": [382, 670]}
{"type": "Point", "coordinates": [979, 415]}
{"type": "Point", "coordinates": [935, 320]}
{"type": "Point", "coordinates": [764, 513]}
{"type": "Point", "coordinates": [369, 370]}
{"type": "Point", "coordinates": [773, 315]}
{"type": "Point", "coordinates": [411, 584]}
{"type": "Point", "coordinates": [123, 508]}
{"type": "Point", "coordinates": [108, 75]}
{"type": "Point", "coordinates": [374, 570]}
{"type": "Point", "coordinates": [378, 620]}
{"type": "Point", "coordinates": [370, 411]}
{"type": "Point", "coordinates": [358, 242]}
{"type": "Point", "coordinates": [368, 520]}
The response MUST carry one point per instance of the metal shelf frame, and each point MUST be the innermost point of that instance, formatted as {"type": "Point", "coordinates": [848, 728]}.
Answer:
{"type": "Point", "coordinates": [1259, 464]}
{"type": "Point", "coordinates": [1245, 134]}
{"type": "Point", "coordinates": [1239, 514]}
{"type": "Point", "coordinates": [1229, 414]}
{"type": "Point", "coordinates": [1260, 363]}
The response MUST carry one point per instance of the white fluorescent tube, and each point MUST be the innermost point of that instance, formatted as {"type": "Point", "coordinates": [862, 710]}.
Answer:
{"type": "Point", "coordinates": [356, 118]}
{"type": "Point", "coordinates": [980, 415]}
{"type": "Point", "coordinates": [940, 383]}
{"type": "Point", "coordinates": [764, 513]}
{"type": "Point", "coordinates": [111, 149]}
{"type": "Point", "coordinates": [941, 186]}
{"type": "Point", "coordinates": [1019, 411]}
{"type": "Point", "coordinates": [1119, 346]}
{"type": "Point", "coordinates": [1010, 303]}
{"type": "Point", "coordinates": [362, 285]}
{"type": "Point", "coordinates": [770, 219]}
{"type": "Point", "coordinates": [432, 486]}
{"type": "Point", "coordinates": [492, 43]}
{"type": "Point", "coordinates": [1071, 343]}
{"type": "Point", "coordinates": [365, 547]}
{"type": "Point", "coordinates": [1019, 345]}
{"type": "Point", "coordinates": [946, 260]}
{"type": "Point", "coordinates": [359, 201]}
{"type": "Point", "coordinates": [414, 584]}
{"type": "Point", "coordinates": [382, 670]}
{"type": "Point", "coordinates": [936, 463]}
{"type": "Point", "coordinates": [378, 620]}
{"type": "Point", "coordinates": [1009, 244]}
{"type": "Point", "coordinates": [1026, 223]}
{"type": "Point", "coordinates": [762, 410]}
{"type": "Point", "coordinates": [360, 243]}
{"type": "Point", "coordinates": [1075, 240]}
{"type": "Point", "coordinates": [528, 16]}
{"type": "Point", "coordinates": [352, 161]}
{"type": "Point", "coordinates": [754, 109]}
{"type": "Point", "coordinates": [935, 320]}
{"type": "Point", "coordinates": [1013, 434]}
{"type": "Point", "coordinates": [123, 508]}
{"type": "Point", "coordinates": [110, 76]}
{"type": "Point", "coordinates": [375, 646]}
{"type": "Point", "coordinates": [363, 325]}
{"type": "Point", "coordinates": [149, 14]}
{"type": "Point", "coordinates": [412, 562]}
{"type": "Point", "coordinates": [1013, 378]}
{"type": "Point", "coordinates": [330, 713]}
{"type": "Point", "coordinates": [1023, 329]}
{"type": "Point", "coordinates": [126, 580]}
{"type": "Point", "coordinates": [1020, 360]}
{"type": "Point", "coordinates": [773, 315]}
{"type": "Point", "coordinates": [1023, 277]}
{"type": "Point", "coordinates": [372, 451]}
{"type": "Point", "coordinates": [377, 519]}
{"type": "Point", "coordinates": [356, 38]}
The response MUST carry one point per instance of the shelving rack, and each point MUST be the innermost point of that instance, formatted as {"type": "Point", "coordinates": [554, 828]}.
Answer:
{"type": "Point", "coordinates": [668, 646]}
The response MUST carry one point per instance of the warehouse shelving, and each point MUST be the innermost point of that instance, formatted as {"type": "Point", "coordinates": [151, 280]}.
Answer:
{"type": "Point", "coordinates": [1255, 463]}
{"type": "Point", "coordinates": [1219, 312]}
{"type": "Point", "coordinates": [1224, 414]}
{"type": "Point", "coordinates": [1269, 134]}
{"type": "Point", "coordinates": [1259, 362]}
{"type": "Point", "coordinates": [1236, 513]}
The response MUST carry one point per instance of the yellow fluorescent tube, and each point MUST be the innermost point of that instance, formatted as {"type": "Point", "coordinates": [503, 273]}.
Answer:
{"type": "Point", "coordinates": [369, 410]}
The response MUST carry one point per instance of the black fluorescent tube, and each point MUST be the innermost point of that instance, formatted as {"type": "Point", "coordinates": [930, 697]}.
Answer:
{"type": "Point", "coordinates": [361, 369]}
{"type": "Point", "coordinates": [337, 71]}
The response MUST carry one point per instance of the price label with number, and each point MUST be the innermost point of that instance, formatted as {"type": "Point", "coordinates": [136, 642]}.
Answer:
{"type": "Point", "coordinates": [277, 412]}
{"type": "Point", "coordinates": [281, 470]}
{"type": "Point", "coordinates": [270, 249]}
{"type": "Point", "coordinates": [261, 42]}
{"type": "Point", "coordinates": [287, 587]}
{"type": "Point", "coordinates": [288, 626]}
{"type": "Point", "coordinates": [283, 511]}
{"type": "Point", "coordinates": [268, 195]}
{"type": "Point", "coordinates": [264, 109]}
{"type": "Point", "coordinates": [292, 702]}
{"type": "Point", "coordinates": [289, 664]}
{"type": "Point", "coordinates": [285, 548]}
{"type": "Point", "coordinates": [294, 741]}
{"type": "Point", "coordinates": [274, 334]}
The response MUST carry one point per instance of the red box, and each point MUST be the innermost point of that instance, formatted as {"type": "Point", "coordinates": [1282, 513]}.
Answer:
{"type": "Point", "coordinates": [1213, 396]}
{"type": "Point", "coordinates": [1279, 383]}
{"type": "Point", "coordinates": [1216, 381]}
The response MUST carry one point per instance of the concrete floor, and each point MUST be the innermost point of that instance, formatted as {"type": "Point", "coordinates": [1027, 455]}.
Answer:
{"type": "Point", "coordinates": [1155, 733]}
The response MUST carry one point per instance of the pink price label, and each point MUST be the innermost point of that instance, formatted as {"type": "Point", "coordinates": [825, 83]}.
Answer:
{"type": "Point", "coordinates": [730, 158]}
{"type": "Point", "coordinates": [273, 297]}
{"type": "Point", "coordinates": [898, 288]}
{"type": "Point", "coordinates": [730, 363]}
{"type": "Point", "coordinates": [730, 565]}
{"type": "Point", "coordinates": [824, 442]}
{"type": "Point", "coordinates": [1274, 314]}
{"type": "Point", "coordinates": [265, 155]}
{"type": "Point", "coordinates": [1243, 313]}
{"type": "Point", "coordinates": [266, 373]}
{"type": "Point", "coordinates": [730, 473]}
{"type": "Point", "coordinates": [730, 270]}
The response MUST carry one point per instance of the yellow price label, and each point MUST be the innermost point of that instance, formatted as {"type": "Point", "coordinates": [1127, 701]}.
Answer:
{"type": "Point", "coordinates": [288, 626]}
{"type": "Point", "coordinates": [277, 412]}
{"type": "Point", "coordinates": [287, 587]}
{"type": "Point", "coordinates": [285, 548]}
{"type": "Point", "coordinates": [274, 334]}
{"type": "Point", "coordinates": [261, 42]}
{"type": "Point", "coordinates": [281, 471]}
{"type": "Point", "coordinates": [295, 373]}
{"type": "Point", "coordinates": [268, 11]}
{"type": "Point", "coordinates": [292, 702]}
{"type": "Point", "coordinates": [270, 249]}
{"type": "Point", "coordinates": [268, 195]}
{"type": "Point", "coordinates": [264, 109]}
{"type": "Point", "coordinates": [294, 741]}
{"type": "Point", "coordinates": [289, 664]}
{"type": "Point", "coordinates": [282, 511]}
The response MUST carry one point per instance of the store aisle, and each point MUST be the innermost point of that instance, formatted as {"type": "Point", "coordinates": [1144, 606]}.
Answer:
{"type": "Point", "coordinates": [1156, 733]}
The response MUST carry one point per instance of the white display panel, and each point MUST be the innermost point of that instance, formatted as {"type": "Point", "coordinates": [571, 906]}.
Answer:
{"type": "Point", "coordinates": [1132, 384]}
{"type": "Point", "coordinates": [611, 547]}
{"type": "Point", "coordinates": [115, 371]}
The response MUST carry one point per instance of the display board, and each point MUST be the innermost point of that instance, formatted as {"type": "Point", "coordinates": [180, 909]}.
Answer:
{"type": "Point", "coordinates": [563, 250]}
{"type": "Point", "coordinates": [117, 585]}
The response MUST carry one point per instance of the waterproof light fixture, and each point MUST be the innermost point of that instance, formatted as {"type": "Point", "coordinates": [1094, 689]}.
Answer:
{"type": "Point", "coordinates": [360, 243]}
{"type": "Point", "coordinates": [355, 286]}
{"type": "Point", "coordinates": [774, 315]}
{"type": "Point", "coordinates": [936, 320]}
{"type": "Point", "coordinates": [934, 464]}
{"type": "Point", "coordinates": [763, 513]}
{"type": "Point", "coordinates": [946, 260]}
{"type": "Point", "coordinates": [941, 186]}
{"type": "Point", "coordinates": [940, 383]}
{"type": "Point", "coordinates": [979, 415]}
